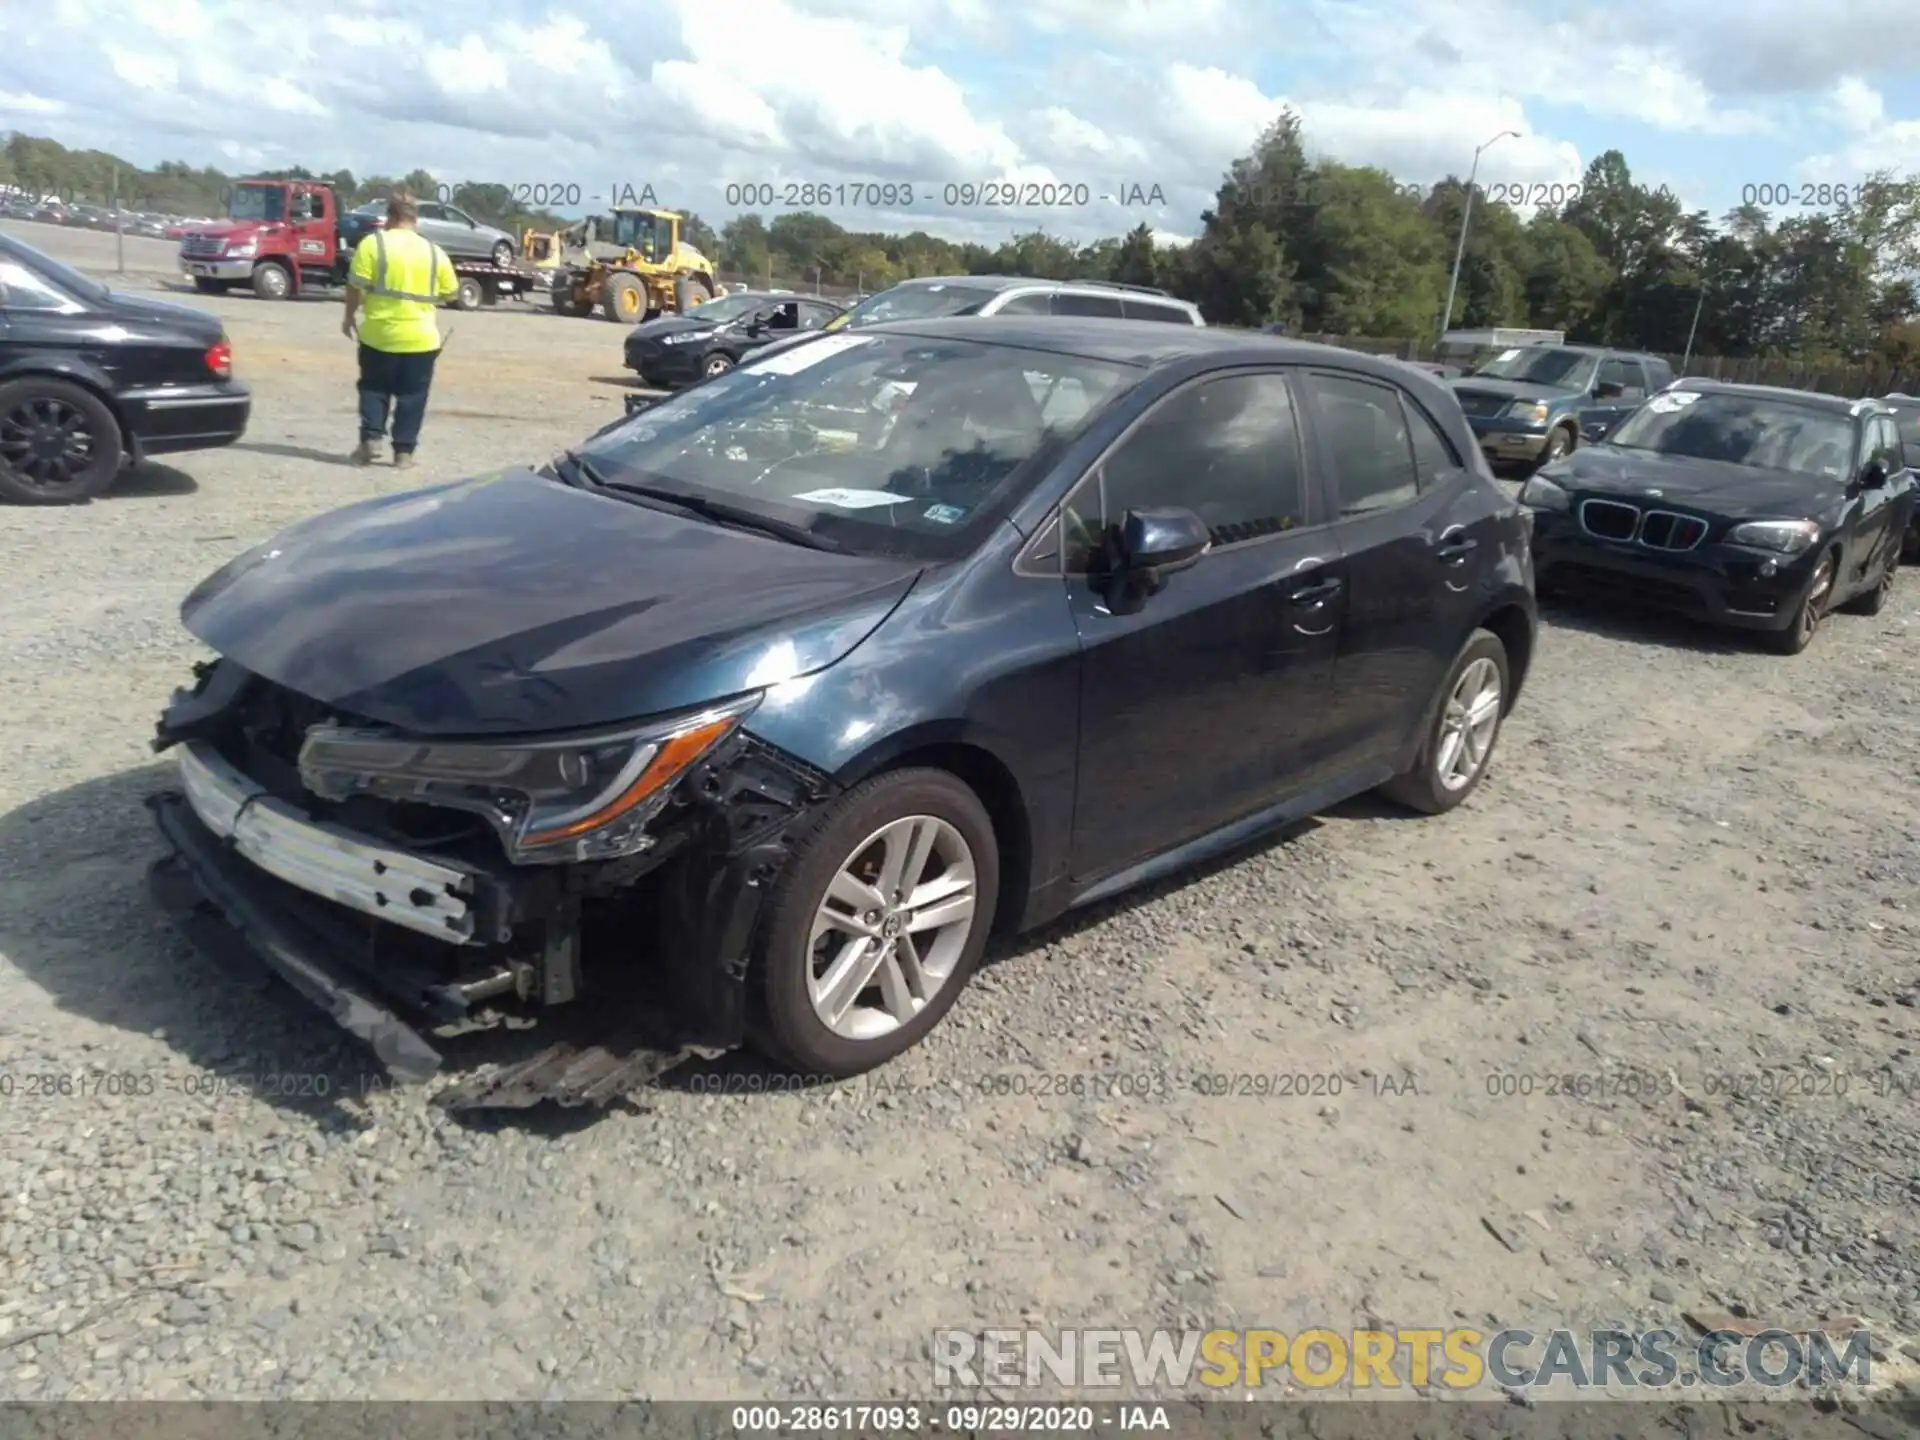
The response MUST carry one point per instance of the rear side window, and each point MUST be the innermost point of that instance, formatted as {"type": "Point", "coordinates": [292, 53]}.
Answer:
{"type": "Point", "coordinates": [1105, 306]}
{"type": "Point", "coordinates": [1433, 456]}
{"type": "Point", "coordinates": [1368, 441]}
{"type": "Point", "coordinates": [1659, 373]}
{"type": "Point", "coordinates": [1135, 309]}
{"type": "Point", "coordinates": [1040, 303]}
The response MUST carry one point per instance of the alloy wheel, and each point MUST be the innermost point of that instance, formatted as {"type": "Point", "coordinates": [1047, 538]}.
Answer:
{"type": "Point", "coordinates": [46, 442]}
{"type": "Point", "coordinates": [1468, 725]}
{"type": "Point", "coordinates": [891, 927]}
{"type": "Point", "coordinates": [719, 365]}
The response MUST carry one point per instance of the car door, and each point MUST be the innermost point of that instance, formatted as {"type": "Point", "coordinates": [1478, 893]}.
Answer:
{"type": "Point", "coordinates": [1874, 509]}
{"type": "Point", "coordinates": [1198, 706]}
{"type": "Point", "coordinates": [1602, 411]}
{"type": "Point", "coordinates": [455, 240]}
{"type": "Point", "coordinates": [814, 315]}
{"type": "Point", "coordinates": [1409, 546]}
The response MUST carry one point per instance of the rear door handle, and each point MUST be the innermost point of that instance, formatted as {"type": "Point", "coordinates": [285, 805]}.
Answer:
{"type": "Point", "coordinates": [1457, 549]}
{"type": "Point", "coordinates": [1316, 592]}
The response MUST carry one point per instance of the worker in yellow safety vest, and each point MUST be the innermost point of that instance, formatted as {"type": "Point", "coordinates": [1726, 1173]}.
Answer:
{"type": "Point", "coordinates": [397, 281]}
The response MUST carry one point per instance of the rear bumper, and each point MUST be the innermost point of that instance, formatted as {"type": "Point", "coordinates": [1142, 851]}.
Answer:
{"type": "Point", "coordinates": [167, 419]}
{"type": "Point", "coordinates": [197, 269]}
{"type": "Point", "coordinates": [1722, 584]}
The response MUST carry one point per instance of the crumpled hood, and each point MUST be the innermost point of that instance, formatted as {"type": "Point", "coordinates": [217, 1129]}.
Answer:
{"type": "Point", "coordinates": [1736, 492]}
{"type": "Point", "coordinates": [669, 325]}
{"type": "Point", "coordinates": [514, 604]}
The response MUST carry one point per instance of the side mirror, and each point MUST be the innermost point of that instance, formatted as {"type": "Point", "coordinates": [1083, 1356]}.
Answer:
{"type": "Point", "coordinates": [1156, 543]}
{"type": "Point", "coordinates": [1608, 390]}
{"type": "Point", "coordinates": [1874, 475]}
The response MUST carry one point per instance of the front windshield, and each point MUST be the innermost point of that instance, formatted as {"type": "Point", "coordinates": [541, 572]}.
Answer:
{"type": "Point", "coordinates": [257, 202]}
{"type": "Point", "coordinates": [918, 302]}
{"type": "Point", "coordinates": [1741, 430]}
{"type": "Point", "coordinates": [1540, 365]}
{"type": "Point", "coordinates": [878, 444]}
{"type": "Point", "coordinates": [59, 273]}
{"type": "Point", "coordinates": [727, 307]}
{"type": "Point", "coordinates": [649, 234]}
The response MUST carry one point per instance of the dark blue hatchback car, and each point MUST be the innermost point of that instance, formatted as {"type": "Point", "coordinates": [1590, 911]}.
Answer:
{"type": "Point", "coordinates": [774, 700]}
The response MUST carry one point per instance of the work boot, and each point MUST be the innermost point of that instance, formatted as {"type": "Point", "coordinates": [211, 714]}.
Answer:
{"type": "Point", "coordinates": [403, 460]}
{"type": "Point", "coordinates": [366, 452]}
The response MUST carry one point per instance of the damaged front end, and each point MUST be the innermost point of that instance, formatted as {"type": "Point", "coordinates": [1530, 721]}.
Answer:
{"type": "Point", "coordinates": [417, 888]}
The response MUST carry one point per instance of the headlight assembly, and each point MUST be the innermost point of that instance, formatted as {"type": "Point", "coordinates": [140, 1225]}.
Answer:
{"type": "Point", "coordinates": [1531, 411]}
{"type": "Point", "coordinates": [1540, 493]}
{"type": "Point", "coordinates": [1789, 537]}
{"type": "Point", "coordinates": [684, 337]}
{"type": "Point", "coordinates": [568, 798]}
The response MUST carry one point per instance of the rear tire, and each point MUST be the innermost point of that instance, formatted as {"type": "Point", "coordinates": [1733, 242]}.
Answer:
{"type": "Point", "coordinates": [625, 298]}
{"type": "Point", "coordinates": [863, 841]}
{"type": "Point", "coordinates": [1458, 748]}
{"type": "Point", "coordinates": [469, 295]}
{"type": "Point", "coordinates": [59, 443]}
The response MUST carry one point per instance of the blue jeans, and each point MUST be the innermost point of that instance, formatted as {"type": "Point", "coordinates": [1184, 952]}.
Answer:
{"type": "Point", "coordinates": [398, 383]}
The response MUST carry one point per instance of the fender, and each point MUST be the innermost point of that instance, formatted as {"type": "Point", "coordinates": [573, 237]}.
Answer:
{"type": "Point", "coordinates": [1512, 596]}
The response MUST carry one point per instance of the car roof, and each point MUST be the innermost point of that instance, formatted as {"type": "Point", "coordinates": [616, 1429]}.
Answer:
{"type": "Point", "coordinates": [1142, 343]}
{"type": "Point", "coordinates": [1029, 282]}
{"type": "Point", "coordinates": [1839, 404]}
{"type": "Point", "coordinates": [779, 295]}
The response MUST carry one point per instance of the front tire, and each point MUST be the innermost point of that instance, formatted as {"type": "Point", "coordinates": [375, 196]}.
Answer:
{"type": "Point", "coordinates": [272, 282]}
{"type": "Point", "coordinates": [1873, 601]}
{"type": "Point", "coordinates": [717, 365]}
{"type": "Point", "coordinates": [883, 914]}
{"type": "Point", "coordinates": [503, 254]}
{"type": "Point", "coordinates": [1560, 444]}
{"type": "Point", "coordinates": [59, 443]}
{"type": "Point", "coordinates": [1458, 749]}
{"type": "Point", "coordinates": [1806, 619]}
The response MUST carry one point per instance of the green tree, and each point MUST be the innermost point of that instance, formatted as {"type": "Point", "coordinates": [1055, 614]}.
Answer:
{"type": "Point", "coordinates": [1136, 261]}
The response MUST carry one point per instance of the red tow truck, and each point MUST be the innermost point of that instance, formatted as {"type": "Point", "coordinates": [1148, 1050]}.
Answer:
{"type": "Point", "coordinates": [284, 237]}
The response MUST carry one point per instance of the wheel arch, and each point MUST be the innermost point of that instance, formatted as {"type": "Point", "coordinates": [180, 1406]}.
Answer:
{"type": "Point", "coordinates": [87, 379]}
{"type": "Point", "coordinates": [1514, 626]}
{"type": "Point", "coordinates": [950, 748]}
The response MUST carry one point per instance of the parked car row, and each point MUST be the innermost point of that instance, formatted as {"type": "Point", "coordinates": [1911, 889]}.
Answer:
{"type": "Point", "coordinates": [145, 224]}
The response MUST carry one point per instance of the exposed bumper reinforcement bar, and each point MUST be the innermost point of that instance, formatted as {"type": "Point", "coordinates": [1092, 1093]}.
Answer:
{"type": "Point", "coordinates": [215, 899]}
{"type": "Point", "coordinates": [202, 886]}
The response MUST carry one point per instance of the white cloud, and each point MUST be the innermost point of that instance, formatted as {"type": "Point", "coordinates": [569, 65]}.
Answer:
{"type": "Point", "coordinates": [1126, 97]}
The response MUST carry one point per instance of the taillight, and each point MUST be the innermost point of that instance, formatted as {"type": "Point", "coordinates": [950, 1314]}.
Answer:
{"type": "Point", "coordinates": [219, 358]}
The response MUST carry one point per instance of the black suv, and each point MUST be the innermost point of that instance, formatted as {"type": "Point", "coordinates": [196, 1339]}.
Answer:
{"type": "Point", "coordinates": [1532, 404]}
{"type": "Point", "coordinates": [1906, 414]}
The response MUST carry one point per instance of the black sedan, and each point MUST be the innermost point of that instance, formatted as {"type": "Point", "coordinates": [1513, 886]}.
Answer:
{"type": "Point", "coordinates": [1739, 504]}
{"type": "Point", "coordinates": [91, 380]}
{"type": "Point", "coordinates": [711, 339]}
{"type": "Point", "coordinates": [827, 671]}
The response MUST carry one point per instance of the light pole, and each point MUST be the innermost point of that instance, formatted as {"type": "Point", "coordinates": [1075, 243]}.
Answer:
{"type": "Point", "coordinates": [1460, 250]}
{"type": "Point", "coordinates": [1694, 329]}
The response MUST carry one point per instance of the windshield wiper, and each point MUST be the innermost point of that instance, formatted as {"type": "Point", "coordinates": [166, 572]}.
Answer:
{"type": "Point", "coordinates": [584, 468]}
{"type": "Point", "coordinates": [720, 513]}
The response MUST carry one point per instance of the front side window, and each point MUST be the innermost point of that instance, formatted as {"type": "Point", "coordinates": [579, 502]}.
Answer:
{"type": "Point", "coordinates": [879, 444]}
{"type": "Point", "coordinates": [1762, 434]}
{"type": "Point", "coordinates": [1105, 307]}
{"type": "Point", "coordinates": [257, 202]}
{"type": "Point", "coordinates": [1227, 449]}
{"type": "Point", "coordinates": [727, 307]}
{"type": "Point", "coordinates": [1368, 440]}
{"type": "Point", "coordinates": [1626, 375]}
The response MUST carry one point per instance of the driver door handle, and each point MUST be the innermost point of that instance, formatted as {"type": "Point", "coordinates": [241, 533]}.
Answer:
{"type": "Point", "coordinates": [1457, 549]}
{"type": "Point", "coordinates": [1316, 591]}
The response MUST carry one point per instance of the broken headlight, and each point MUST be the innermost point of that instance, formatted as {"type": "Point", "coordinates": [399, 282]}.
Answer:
{"type": "Point", "coordinates": [552, 800]}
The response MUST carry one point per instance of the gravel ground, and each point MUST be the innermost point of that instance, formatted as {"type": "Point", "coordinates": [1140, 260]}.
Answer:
{"type": "Point", "coordinates": [1691, 861]}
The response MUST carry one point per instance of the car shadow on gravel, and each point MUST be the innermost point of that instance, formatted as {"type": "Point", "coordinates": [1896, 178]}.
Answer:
{"type": "Point", "coordinates": [1618, 620]}
{"type": "Point", "coordinates": [297, 452]}
{"type": "Point", "coordinates": [150, 480]}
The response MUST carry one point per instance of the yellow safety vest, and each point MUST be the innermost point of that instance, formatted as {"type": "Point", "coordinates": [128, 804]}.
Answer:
{"type": "Point", "coordinates": [403, 277]}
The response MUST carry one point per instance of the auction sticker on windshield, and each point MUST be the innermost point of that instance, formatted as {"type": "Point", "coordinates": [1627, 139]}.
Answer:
{"type": "Point", "coordinates": [851, 499]}
{"type": "Point", "coordinates": [1671, 400]}
{"type": "Point", "coordinates": [791, 362]}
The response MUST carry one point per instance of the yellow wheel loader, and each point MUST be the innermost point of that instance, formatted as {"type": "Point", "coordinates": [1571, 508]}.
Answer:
{"type": "Point", "coordinates": [630, 265]}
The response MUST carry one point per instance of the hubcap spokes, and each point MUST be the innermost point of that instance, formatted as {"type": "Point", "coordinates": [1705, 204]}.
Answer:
{"type": "Point", "coordinates": [1817, 598]}
{"type": "Point", "coordinates": [891, 928]}
{"type": "Point", "coordinates": [45, 441]}
{"type": "Point", "coordinates": [1468, 725]}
